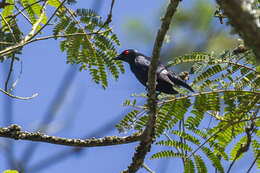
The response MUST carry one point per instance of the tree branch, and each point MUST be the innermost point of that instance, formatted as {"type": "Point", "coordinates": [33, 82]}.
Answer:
{"type": "Point", "coordinates": [17, 97]}
{"type": "Point", "coordinates": [251, 166]}
{"type": "Point", "coordinates": [148, 136]}
{"type": "Point", "coordinates": [245, 20]}
{"type": "Point", "coordinates": [256, 93]}
{"type": "Point", "coordinates": [15, 132]}
{"type": "Point", "coordinates": [9, 73]}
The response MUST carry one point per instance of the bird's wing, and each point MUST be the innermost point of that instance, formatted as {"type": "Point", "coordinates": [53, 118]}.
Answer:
{"type": "Point", "coordinates": [142, 63]}
{"type": "Point", "coordinates": [142, 60]}
{"type": "Point", "coordinates": [163, 74]}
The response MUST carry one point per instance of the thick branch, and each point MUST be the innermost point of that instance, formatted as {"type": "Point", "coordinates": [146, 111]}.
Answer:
{"type": "Point", "coordinates": [149, 132]}
{"type": "Point", "coordinates": [15, 132]}
{"type": "Point", "coordinates": [245, 20]}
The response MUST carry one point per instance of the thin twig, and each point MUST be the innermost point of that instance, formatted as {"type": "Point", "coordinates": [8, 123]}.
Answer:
{"type": "Point", "coordinates": [147, 168]}
{"type": "Point", "coordinates": [18, 78]}
{"type": "Point", "coordinates": [253, 163]}
{"type": "Point", "coordinates": [23, 15]}
{"type": "Point", "coordinates": [9, 73]}
{"type": "Point", "coordinates": [48, 21]}
{"type": "Point", "coordinates": [208, 92]}
{"type": "Point", "coordinates": [10, 49]}
{"type": "Point", "coordinates": [109, 16]}
{"type": "Point", "coordinates": [18, 97]}
{"type": "Point", "coordinates": [181, 141]}
{"type": "Point", "coordinates": [15, 132]}
{"type": "Point", "coordinates": [21, 11]}
{"type": "Point", "coordinates": [65, 36]}
{"type": "Point", "coordinates": [6, 43]}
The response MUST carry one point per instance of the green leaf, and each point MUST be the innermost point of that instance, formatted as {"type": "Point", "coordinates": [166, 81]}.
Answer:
{"type": "Point", "coordinates": [11, 171]}
{"type": "Point", "coordinates": [258, 68]}
{"type": "Point", "coordinates": [166, 154]}
{"type": "Point", "coordinates": [176, 144]}
{"type": "Point", "coordinates": [127, 122]}
{"type": "Point", "coordinates": [208, 73]}
{"type": "Point", "coordinates": [186, 136]}
{"type": "Point", "coordinates": [54, 3]}
{"type": "Point", "coordinates": [189, 166]}
{"type": "Point", "coordinates": [6, 12]}
{"type": "Point", "coordinates": [84, 46]}
{"type": "Point", "coordinates": [235, 149]}
{"type": "Point", "coordinates": [200, 164]}
{"type": "Point", "coordinates": [214, 159]}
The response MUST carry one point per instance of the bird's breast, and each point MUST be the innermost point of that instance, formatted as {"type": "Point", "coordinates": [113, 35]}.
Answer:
{"type": "Point", "coordinates": [141, 73]}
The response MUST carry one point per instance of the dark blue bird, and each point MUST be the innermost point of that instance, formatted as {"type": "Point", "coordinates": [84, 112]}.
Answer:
{"type": "Point", "coordinates": [139, 64]}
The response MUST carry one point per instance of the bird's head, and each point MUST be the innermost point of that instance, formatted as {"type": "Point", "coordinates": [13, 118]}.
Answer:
{"type": "Point", "coordinates": [128, 55]}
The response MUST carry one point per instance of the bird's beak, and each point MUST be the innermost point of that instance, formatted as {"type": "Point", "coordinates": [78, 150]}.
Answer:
{"type": "Point", "coordinates": [117, 58]}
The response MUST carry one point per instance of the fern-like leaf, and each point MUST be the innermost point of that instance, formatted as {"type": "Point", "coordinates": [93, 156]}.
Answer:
{"type": "Point", "coordinates": [214, 159]}
{"type": "Point", "coordinates": [166, 154]}
{"type": "Point", "coordinates": [189, 166]}
{"type": "Point", "coordinates": [176, 144]}
{"type": "Point", "coordinates": [200, 164]}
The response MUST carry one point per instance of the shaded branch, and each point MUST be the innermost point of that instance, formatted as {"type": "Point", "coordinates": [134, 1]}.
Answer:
{"type": "Point", "coordinates": [15, 132]}
{"type": "Point", "coordinates": [109, 16]}
{"type": "Point", "coordinates": [245, 20]}
{"type": "Point", "coordinates": [9, 73]}
{"type": "Point", "coordinates": [251, 166]}
{"type": "Point", "coordinates": [149, 132]}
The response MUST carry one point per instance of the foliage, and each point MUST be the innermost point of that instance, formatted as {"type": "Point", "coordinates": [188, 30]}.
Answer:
{"type": "Point", "coordinates": [93, 51]}
{"type": "Point", "coordinates": [227, 92]}
{"type": "Point", "coordinates": [87, 40]}
{"type": "Point", "coordinates": [227, 84]}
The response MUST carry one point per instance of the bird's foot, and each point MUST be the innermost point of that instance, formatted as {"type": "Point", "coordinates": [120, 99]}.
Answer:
{"type": "Point", "coordinates": [157, 93]}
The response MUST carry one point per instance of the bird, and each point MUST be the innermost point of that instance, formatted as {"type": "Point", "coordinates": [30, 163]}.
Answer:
{"type": "Point", "coordinates": [139, 65]}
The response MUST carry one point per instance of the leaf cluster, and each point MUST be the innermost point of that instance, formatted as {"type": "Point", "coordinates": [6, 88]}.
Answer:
{"type": "Point", "coordinates": [86, 39]}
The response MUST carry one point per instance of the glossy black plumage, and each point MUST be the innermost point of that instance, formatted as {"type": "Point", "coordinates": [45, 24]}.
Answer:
{"type": "Point", "coordinates": [139, 64]}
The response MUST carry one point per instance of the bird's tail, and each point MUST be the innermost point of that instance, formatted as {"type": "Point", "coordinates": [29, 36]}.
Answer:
{"type": "Point", "coordinates": [178, 81]}
{"type": "Point", "coordinates": [185, 85]}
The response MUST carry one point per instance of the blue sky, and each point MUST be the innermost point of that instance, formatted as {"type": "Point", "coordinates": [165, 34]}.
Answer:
{"type": "Point", "coordinates": [86, 107]}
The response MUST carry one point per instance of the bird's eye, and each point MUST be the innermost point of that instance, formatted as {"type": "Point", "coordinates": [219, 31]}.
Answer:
{"type": "Point", "coordinates": [126, 52]}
